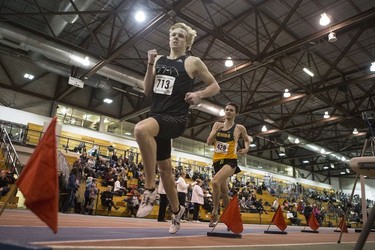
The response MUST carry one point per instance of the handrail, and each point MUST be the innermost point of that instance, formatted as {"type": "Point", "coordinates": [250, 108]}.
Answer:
{"type": "Point", "coordinates": [12, 161]}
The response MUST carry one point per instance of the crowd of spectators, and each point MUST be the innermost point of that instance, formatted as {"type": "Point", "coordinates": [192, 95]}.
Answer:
{"type": "Point", "coordinates": [116, 172]}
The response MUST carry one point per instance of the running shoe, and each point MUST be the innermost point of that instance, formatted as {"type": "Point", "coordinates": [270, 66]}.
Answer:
{"type": "Point", "coordinates": [176, 219]}
{"type": "Point", "coordinates": [147, 203]}
{"type": "Point", "coordinates": [214, 220]}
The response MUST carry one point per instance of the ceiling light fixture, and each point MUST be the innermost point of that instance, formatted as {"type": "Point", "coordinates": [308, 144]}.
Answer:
{"type": "Point", "coordinates": [324, 19]}
{"type": "Point", "coordinates": [372, 68]}
{"type": "Point", "coordinates": [296, 141]}
{"type": "Point", "coordinates": [332, 37]}
{"type": "Point", "coordinates": [269, 120]}
{"type": "Point", "coordinates": [282, 152]}
{"type": "Point", "coordinates": [264, 128]}
{"type": "Point", "coordinates": [355, 131]}
{"type": "Point", "coordinates": [305, 161]}
{"type": "Point", "coordinates": [107, 100]}
{"type": "Point", "coordinates": [140, 16]}
{"type": "Point", "coordinates": [307, 71]}
{"type": "Point", "coordinates": [326, 115]}
{"type": "Point", "coordinates": [228, 62]}
{"type": "Point", "coordinates": [28, 76]}
{"type": "Point", "coordinates": [252, 145]}
{"type": "Point", "coordinates": [286, 93]}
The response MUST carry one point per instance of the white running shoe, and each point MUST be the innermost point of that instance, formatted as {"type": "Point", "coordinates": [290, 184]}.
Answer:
{"type": "Point", "coordinates": [214, 220]}
{"type": "Point", "coordinates": [147, 203]}
{"type": "Point", "coordinates": [176, 219]}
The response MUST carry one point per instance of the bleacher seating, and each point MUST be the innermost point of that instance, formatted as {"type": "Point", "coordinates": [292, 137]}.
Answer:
{"type": "Point", "coordinates": [33, 137]}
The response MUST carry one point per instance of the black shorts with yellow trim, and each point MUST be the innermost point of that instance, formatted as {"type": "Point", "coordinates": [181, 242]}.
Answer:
{"type": "Point", "coordinates": [231, 162]}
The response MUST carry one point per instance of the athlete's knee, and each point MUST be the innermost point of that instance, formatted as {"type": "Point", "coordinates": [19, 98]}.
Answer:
{"type": "Point", "coordinates": [215, 184]}
{"type": "Point", "coordinates": [141, 132]}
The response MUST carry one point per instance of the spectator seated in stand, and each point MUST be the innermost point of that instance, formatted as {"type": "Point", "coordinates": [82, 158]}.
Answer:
{"type": "Point", "coordinates": [293, 217]}
{"type": "Point", "coordinates": [132, 202]}
{"type": "Point", "coordinates": [118, 189]}
{"type": "Point", "coordinates": [107, 199]}
{"type": "Point", "coordinates": [4, 182]}
{"type": "Point", "coordinates": [259, 206]}
{"type": "Point", "coordinates": [275, 204]}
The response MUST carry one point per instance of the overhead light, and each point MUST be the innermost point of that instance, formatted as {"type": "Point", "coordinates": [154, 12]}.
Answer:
{"type": "Point", "coordinates": [325, 167]}
{"type": "Point", "coordinates": [347, 170]}
{"type": "Point", "coordinates": [84, 61]}
{"type": "Point", "coordinates": [324, 19]}
{"type": "Point", "coordinates": [332, 165]}
{"type": "Point", "coordinates": [332, 37]}
{"type": "Point", "coordinates": [28, 76]}
{"type": "Point", "coordinates": [342, 172]}
{"type": "Point", "coordinates": [264, 128]}
{"type": "Point", "coordinates": [228, 62]}
{"type": "Point", "coordinates": [326, 115]}
{"type": "Point", "coordinates": [355, 131]}
{"type": "Point", "coordinates": [282, 151]}
{"type": "Point", "coordinates": [222, 112]}
{"type": "Point", "coordinates": [296, 141]}
{"type": "Point", "coordinates": [305, 161]}
{"type": "Point", "coordinates": [107, 100]}
{"type": "Point", "coordinates": [322, 151]}
{"type": "Point", "coordinates": [307, 71]}
{"type": "Point", "coordinates": [252, 145]}
{"type": "Point", "coordinates": [269, 120]}
{"type": "Point", "coordinates": [343, 158]}
{"type": "Point", "coordinates": [128, 133]}
{"type": "Point", "coordinates": [63, 110]}
{"type": "Point", "coordinates": [372, 68]}
{"type": "Point", "coordinates": [140, 16]}
{"type": "Point", "coordinates": [286, 93]}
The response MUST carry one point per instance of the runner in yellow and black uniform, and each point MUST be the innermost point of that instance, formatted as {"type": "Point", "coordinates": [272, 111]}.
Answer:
{"type": "Point", "coordinates": [225, 150]}
{"type": "Point", "coordinates": [224, 136]}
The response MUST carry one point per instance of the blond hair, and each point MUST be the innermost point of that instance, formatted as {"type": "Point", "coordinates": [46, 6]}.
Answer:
{"type": "Point", "coordinates": [191, 34]}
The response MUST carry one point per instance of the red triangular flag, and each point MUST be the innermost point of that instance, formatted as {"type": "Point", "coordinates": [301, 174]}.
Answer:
{"type": "Point", "coordinates": [278, 219]}
{"type": "Point", "coordinates": [232, 217]}
{"type": "Point", "coordinates": [313, 222]}
{"type": "Point", "coordinates": [38, 181]}
{"type": "Point", "coordinates": [342, 225]}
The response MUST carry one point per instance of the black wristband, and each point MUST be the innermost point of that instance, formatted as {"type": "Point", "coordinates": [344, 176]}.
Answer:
{"type": "Point", "coordinates": [151, 64]}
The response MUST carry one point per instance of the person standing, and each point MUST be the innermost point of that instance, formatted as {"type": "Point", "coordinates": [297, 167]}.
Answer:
{"type": "Point", "coordinates": [197, 198]}
{"type": "Point", "coordinates": [163, 202]}
{"type": "Point", "coordinates": [71, 188]}
{"type": "Point", "coordinates": [169, 81]}
{"type": "Point", "coordinates": [224, 136]}
{"type": "Point", "coordinates": [182, 190]}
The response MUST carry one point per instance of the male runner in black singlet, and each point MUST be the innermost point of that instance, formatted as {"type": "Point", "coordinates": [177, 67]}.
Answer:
{"type": "Point", "coordinates": [169, 82]}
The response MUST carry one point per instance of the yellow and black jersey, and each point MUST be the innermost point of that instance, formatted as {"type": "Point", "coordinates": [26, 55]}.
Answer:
{"type": "Point", "coordinates": [225, 145]}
